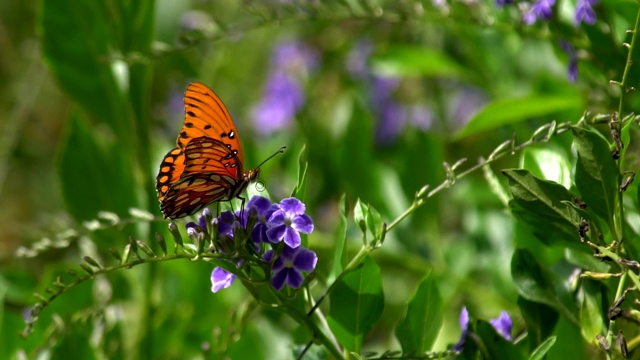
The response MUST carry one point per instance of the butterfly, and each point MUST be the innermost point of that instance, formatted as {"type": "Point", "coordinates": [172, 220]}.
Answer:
{"type": "Point", "coordinates": [207, 164]}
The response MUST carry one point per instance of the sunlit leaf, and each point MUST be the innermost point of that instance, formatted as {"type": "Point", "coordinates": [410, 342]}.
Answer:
{"type": "Point", "coordinates": [509, 111]}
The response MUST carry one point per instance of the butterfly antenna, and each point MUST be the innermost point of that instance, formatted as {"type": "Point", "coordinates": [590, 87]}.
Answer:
{"type": "Point", "coordinates": [280, 151]}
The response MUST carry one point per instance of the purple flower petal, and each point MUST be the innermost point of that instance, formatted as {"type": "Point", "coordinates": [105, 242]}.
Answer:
{"type": "Point", "coordinates": [294, 278]}
{"type": "Point", "coordinates": [221, 279]}
{"type": "Point", "coordinates": [292, 206]}
{"type": "Point", "coordinates": [303, 224]}
{"type": "Point", "coordinates": [464, 325]}
{"type": "Point", "coordinates": [305, 260]}
{"type": "Point", "coordinates": [503, 325]}
{"type": "Point", "coordinates": [584, 12]}
{"type": "Point", "coordinates": [276, 233]}
{"type": "Point", "coordinates": [277, 218]}
{"type": "Point", "coordinates": [278, 279]}
{"type": "Point", "coordinates": [291, 237]}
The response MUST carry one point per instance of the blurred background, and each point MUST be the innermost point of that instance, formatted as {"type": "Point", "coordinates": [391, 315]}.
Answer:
{"type": "Point", "coordinates": [380, 93]}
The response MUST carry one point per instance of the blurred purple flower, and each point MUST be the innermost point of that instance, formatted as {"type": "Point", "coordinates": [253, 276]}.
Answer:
{"type": "Point", "coordinates": [290, 265]}
{"type": "Point", "coordinates": [288, 222]}
{"type": "Point", "coordinates": [540, 10]}
{"type": "Point", "coordinates": [465, 104]}
{"type": "Point", "coordinates": [196, 20]}
{"type": "Point", "coordinates": [392, 116]}
{"type": "Point", "coordinates": [420, 116]}
{"type": "Point", "coordinates": [296, 57]}
{"type": "Point", "coordinates": [573, 59]}
{"type": "Point", "coordinates": [221, 279]}
{"type": "Point", "coordinates": [502, 324]}
{"type": "Point", "coordinates": [264, 209]}
{"type": "Point", "coordinates": [357, 60]}
{"type": "Point", "coordinates": [283, 96]}
{"type": "Point", "coordinates": [501, 3]}
{"type": "Point", "coordinates": [464, 325]}
{"type": "Point", "coordinates": [584, 12]}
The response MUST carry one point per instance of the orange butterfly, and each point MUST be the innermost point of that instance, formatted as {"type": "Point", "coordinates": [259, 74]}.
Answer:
{"type": "Point", "coordinates": [207, 164]}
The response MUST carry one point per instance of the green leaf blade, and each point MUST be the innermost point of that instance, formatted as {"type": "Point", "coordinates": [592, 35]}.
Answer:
{"type": "Point", "coordinates": [510, 111]}
{"type": "Point", "coordinates": [357, 302]}
{"type": "Point", "coordinates": [421, 325]}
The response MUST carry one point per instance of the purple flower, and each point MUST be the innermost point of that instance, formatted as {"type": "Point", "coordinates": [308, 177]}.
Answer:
{"type": "Point", "coordinates": [221, 279]}
{"type": "Point", "coordinates": [288, 267]}
{"type": "Point", "coordinates": [228, 221]}
{"type": "Point", "coordinates": [288, 222]}
{"type": "Point", "coordinates": [283, 96]}
{"type": "Point", "coordinates": [464, 325]}
{"type": "Point", "coordinates": [357, 60]}
{"type": "Point", "coordinates": [541, 9]}
{"type": "Point", "coordinates": [392, 115]}
{"type": "Point", "coordinates": [501, 3]}
{"type": "Point", "coordinates": [295, 56]}
{"type": "Point", "coordinates": [420, 116]}
{"type": "Point", "coordinates": [465, 104]}
{"type": "Point", "coordinates": [264, 209]}
{"type": "Point", "coordinates": [584, 12]}
{"type": "Point", "coordinates": [502, 324]}
{"type": "Point", "coordinates": [573, 59]}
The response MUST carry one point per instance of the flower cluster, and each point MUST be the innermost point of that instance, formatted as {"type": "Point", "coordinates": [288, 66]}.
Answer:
{"type": "Point", "coordinates": [392, 116]}
{"type": "Point", "coordinates": [543, 10]}
{"type": "Point", "coordinates": [275, 231]}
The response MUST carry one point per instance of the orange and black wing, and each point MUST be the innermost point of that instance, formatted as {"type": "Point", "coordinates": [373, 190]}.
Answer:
{"type": "Point", "coordinates": [206, 171]}
{"type": "Point", "coordinates": [206, 115]}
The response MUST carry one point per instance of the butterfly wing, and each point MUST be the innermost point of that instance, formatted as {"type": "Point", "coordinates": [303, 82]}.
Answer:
{"type": "Point", "coordinates": [206, 171]}
{"type": "Point", "coordinates": [206, 115]}
{"type": "Point", "coordinates": [207, 164]}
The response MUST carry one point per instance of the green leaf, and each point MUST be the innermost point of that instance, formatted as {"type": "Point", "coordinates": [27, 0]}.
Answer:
{"type": "Point", "coordinates": [340, 253]}
{"type": "Point", "coordinates": [540, 320]}
{"type": "Point", "coordinates": [301, 187]}
{"type": "Point", "coordinates": [419, 328]}
{"type": "Point", "coordinates": [356, 304]}
{"type": "Point", "coordinates": [596, 174]}
{"type": "Point", "coordinates": [541, 351]}
{"type": "Point", "coordinates": [405, 61]}
{"type": "Point", "coordinates": [374, 223]}
{"type": "Point", "coordinates": [510, 111]}
{"type": "Point", "coordinates": [81, 49]}
{"type": "Point", "coordinates": [90, 168]}
{"type": "Point", "coordinates": [360, 214]}
{"type": "Point", "coordinates": [591, 322]}
{"type": "Point", "coordinates": [545, 207]}
{"type": "Point", "coordinates": [537, 284]}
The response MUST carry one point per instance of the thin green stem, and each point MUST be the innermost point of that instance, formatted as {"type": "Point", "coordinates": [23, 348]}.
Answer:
{"type": "Point", "coordinates": [627, 68]}
{"type": "Point", "coordinates": [507, 148]}
{"type": "Point", "coordinates": [621, 284]}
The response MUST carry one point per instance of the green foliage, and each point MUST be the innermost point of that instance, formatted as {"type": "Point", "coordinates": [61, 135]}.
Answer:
{"type": "Point", "coordinates": [419, 328]}
{"type": "Point", "coordinates": [398, 107]}
{"type": "Point", "coordinates": [356, 304]}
